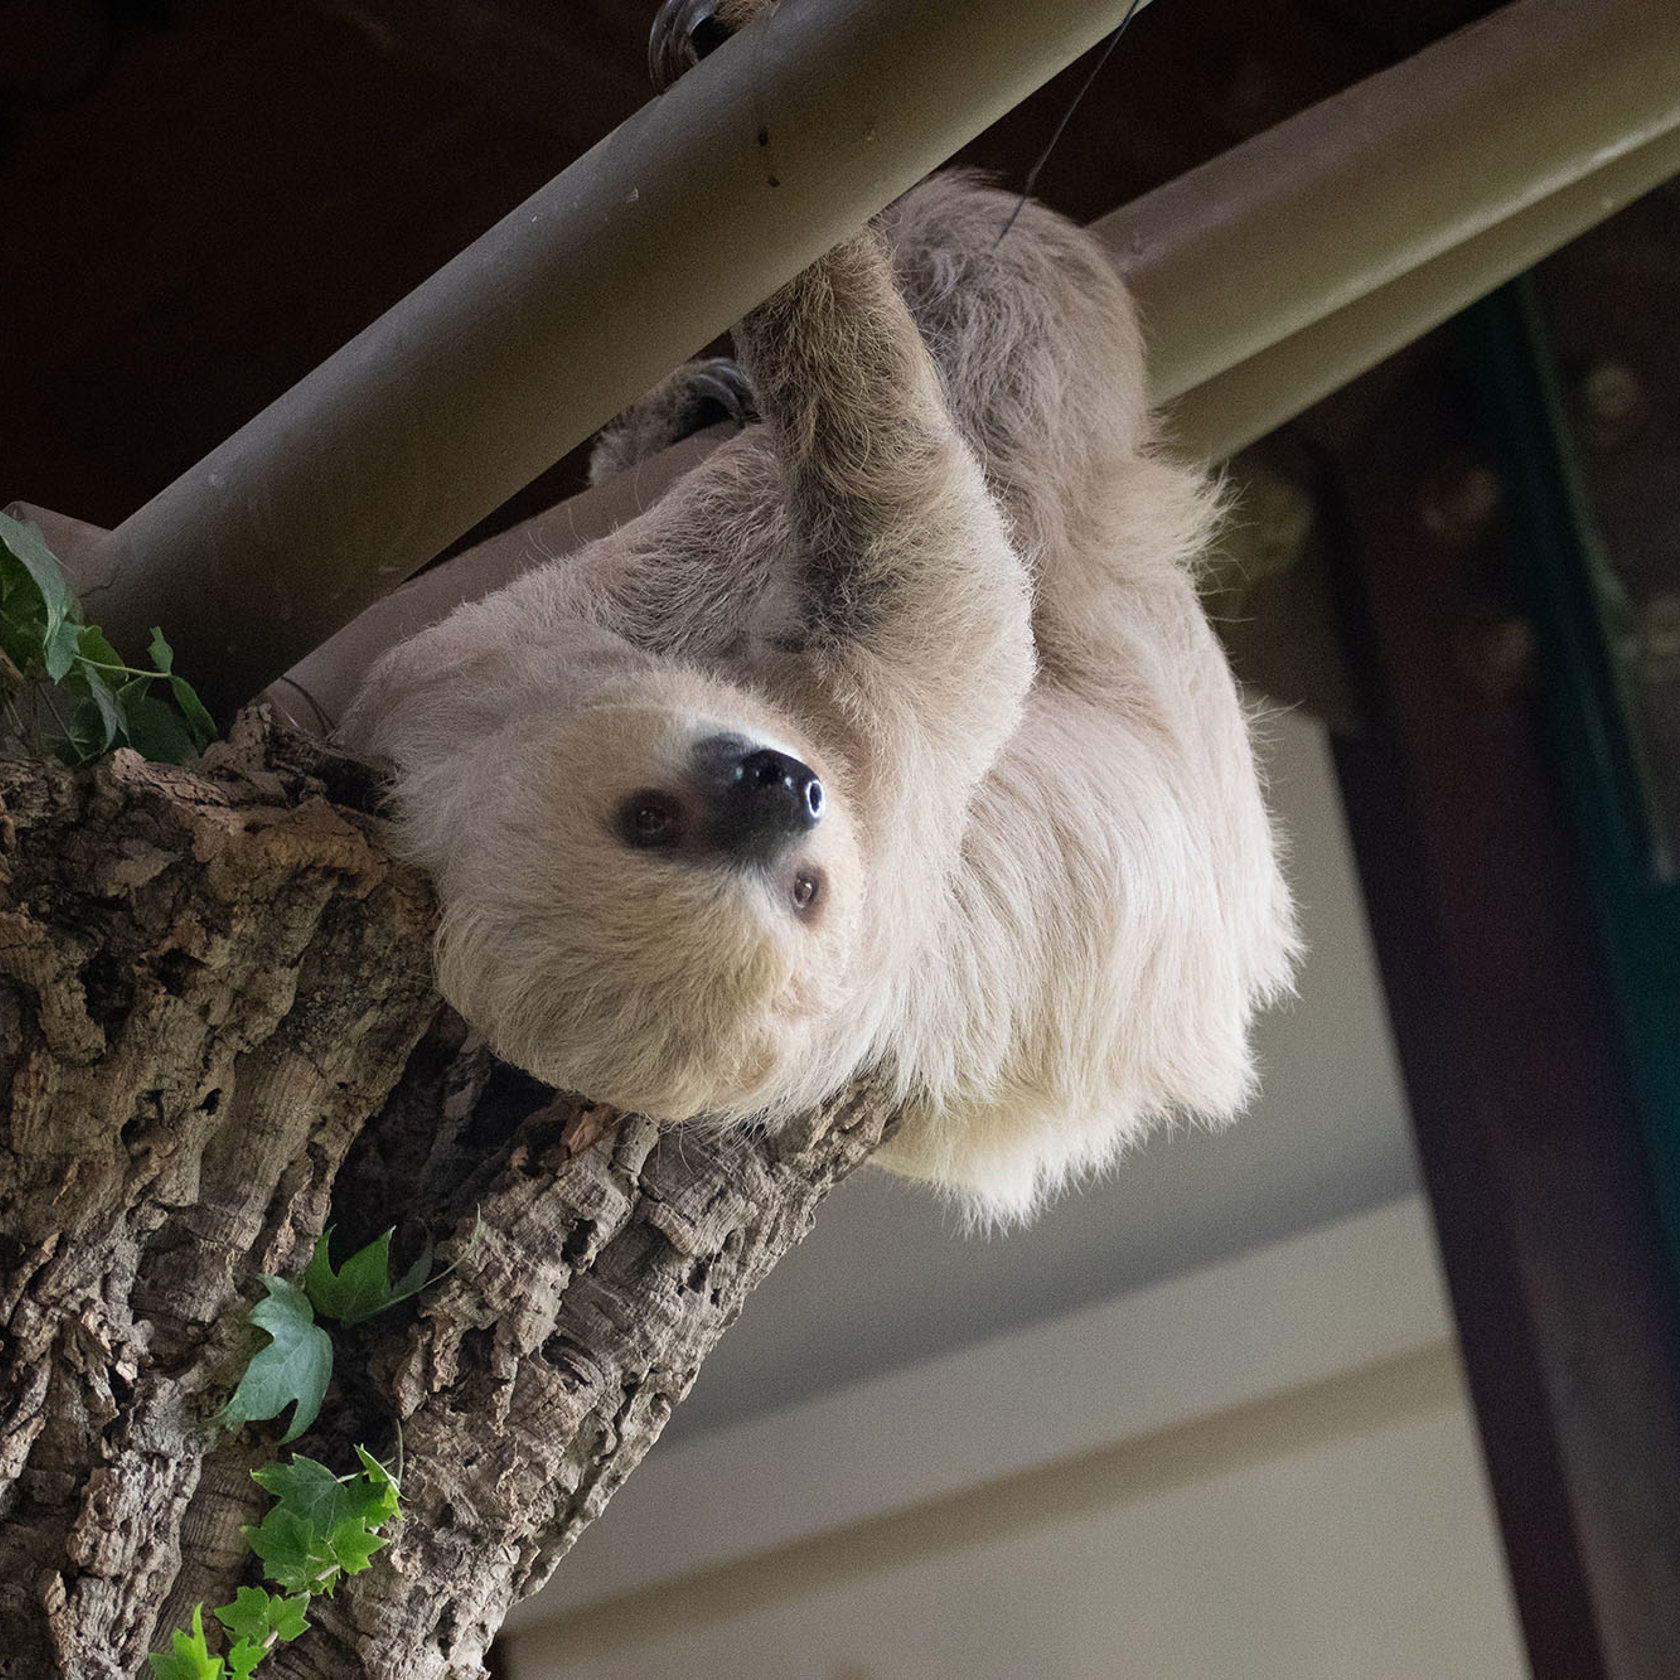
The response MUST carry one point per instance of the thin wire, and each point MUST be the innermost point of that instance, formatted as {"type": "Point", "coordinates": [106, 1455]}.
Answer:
{"type": "Point", "coordinates": [1067, 117]}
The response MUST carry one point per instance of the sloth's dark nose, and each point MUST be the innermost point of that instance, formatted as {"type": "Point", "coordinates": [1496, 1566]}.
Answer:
{"type": "Point", "coordinates": [758, 801]}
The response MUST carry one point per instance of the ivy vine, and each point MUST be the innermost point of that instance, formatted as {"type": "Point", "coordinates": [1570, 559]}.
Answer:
{"type": "Point", "coordinates": [64, 689]}
{"type": "Point", "coordinates": [321, 1526]}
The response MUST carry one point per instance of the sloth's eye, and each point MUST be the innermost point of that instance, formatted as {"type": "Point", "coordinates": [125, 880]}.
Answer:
{"type": "Point", "coordinates": [649, 819]}
{"type": "Point", "coordinates": [804, 891]}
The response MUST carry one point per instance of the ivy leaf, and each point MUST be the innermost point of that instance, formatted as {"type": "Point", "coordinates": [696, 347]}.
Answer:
{"type": "Point", "coordinates": [295, 1557]}
{"type": "Point", "coordinates": [247, 1617]}
{"type": "Point", "coordinates": [321, 1525]}
{"type": "Point", "coordinates": [199, 720]}
{"type": "Point", "coordinates": [375, 1491]}
{"type": "Point", "coordinates": [373, 1501]}
{"type": "Point", "coordinates": [382, 1491]}
{"type": "Point", "coordinates": [41, 631]}
{"type": "Point", "coordinates": [91, 645]}
{"type": "Point", "coordinates": [256, 1615]}
{"type": "Point", "coordinates": [23, 614]}
{"type": "Point", "coordinates": [191, 1659]}
{"type": "Point", "coordinates": [244, 1657]}
{"type": "Point", "coordinates": [362, 1287]}
{"type": "Point", "coordinates": [286, 1616]}
{"type": "Point", "coordinates": [99, 720]}
{"type": "Point", "coordinates": [292, 1370]}
{"type": "Point", "coordinates": [61, 648]}
{"type": "Point", "coordinates": [99, 714]}
{"type": "Point", "coordinates": [155, 729]}
{"type": "Point", "coordinates": [308, 1489]}
{"type": "Point", "coordinates": [23, 544]}
{"type": "Point", "coordinates": [353, 1544]}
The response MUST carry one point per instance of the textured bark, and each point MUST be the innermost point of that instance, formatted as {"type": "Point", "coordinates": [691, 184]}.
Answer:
{"type": "Point", "coordinates": [214, 986]}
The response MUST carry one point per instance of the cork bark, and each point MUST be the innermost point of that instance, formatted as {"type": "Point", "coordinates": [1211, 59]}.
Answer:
{"type": "Point", "coordinates": [218, 1035]}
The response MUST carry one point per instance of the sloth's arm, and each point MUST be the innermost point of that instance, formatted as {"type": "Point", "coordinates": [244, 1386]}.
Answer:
{"type": "Point", "coordinates": [900, 548]}
{"type": "Point", "coordinates": [869, 452]}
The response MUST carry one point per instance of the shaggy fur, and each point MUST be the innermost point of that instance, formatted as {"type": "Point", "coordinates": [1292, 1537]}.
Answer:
{"type": "Point", "coordinates": [952, 575]}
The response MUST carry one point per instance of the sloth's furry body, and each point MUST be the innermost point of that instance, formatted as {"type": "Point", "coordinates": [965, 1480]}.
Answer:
{"type": "Point", "coordinates": [951, 574]}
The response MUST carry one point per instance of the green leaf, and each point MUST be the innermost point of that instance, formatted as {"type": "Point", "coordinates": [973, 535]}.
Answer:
{"type": "Point", "coordinates": [41, 630]}
{"type": "Point", "coordinates": [199, 720]}
{"type": "Point", "coordinates": [247, 1616]}
{"type": "Point", "coordinates": [293, 1370]}
{"type": "Point", "coordinates": [295, 1557]}
{"type": "Point", "coordinates": [81, 741]}
{"type": "Point", "coordinates": [244, 1657]}
{"type": "Point", "coordinates": [373, 1501]}
{"type": "Point", "coordinates": [93, 647]}
{"type": "Point", "coordinates": [61, 649]}
{"type": "Point", "coordinates": [23, 614]}
{"type": "Point", "coordinates": [191, 1659]}
{"type": "Point", "coordinates": [321, 1525]}
{"type": "Point", "coordinates": [415, 1278]}
{"type": "Point", "coordinates": [255, 1614]}
{"type": "Point", "coordinates": [258, 1618]}
{"type": "Point", "coordinates": [24, 543]}
{"type": "Point", "coordinates": [154, 728]}
{"type": "Point", "coordinates": [308, 1489]}
{"type": "Point", "coordinates": [383, 1492]}
{"type": "Point", "coordinates": [286, 1616]}
{"type": "Point", "coordinates": [98, 726]}
{"type": "Point", "coordinates": [353, 1544]}
{"type": "Point", "coordinates": [362, 1287]}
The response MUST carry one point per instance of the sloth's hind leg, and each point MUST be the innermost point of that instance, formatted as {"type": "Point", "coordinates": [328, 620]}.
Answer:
{"type": "Point", "coordinates": [710, 392]}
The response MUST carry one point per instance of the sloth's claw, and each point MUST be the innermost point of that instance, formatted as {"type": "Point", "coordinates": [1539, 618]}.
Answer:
{"type": "Point", "coordinates": [697, 395]}
{"type": "Point", "coordinates": [684, 32]}
{"type": "Point", "coordinates": [719, 390]}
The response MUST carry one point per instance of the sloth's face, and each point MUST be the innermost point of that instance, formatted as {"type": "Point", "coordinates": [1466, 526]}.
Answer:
{"type": "Point", "coordinates": [656, 905]}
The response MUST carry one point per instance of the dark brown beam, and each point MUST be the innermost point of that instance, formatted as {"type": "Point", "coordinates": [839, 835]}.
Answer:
{"type": "Point", "coordinates": [1519, 1087]}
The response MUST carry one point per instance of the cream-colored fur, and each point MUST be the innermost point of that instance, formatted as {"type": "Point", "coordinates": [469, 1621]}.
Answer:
{"type": "Point", "coordinates": [952, 574]}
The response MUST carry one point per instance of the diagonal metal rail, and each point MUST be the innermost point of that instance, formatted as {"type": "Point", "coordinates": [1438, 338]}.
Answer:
{"type": "Point", "coordinates": [654, 242]}
{"type": "Point", "coordinates": [1296, 259]}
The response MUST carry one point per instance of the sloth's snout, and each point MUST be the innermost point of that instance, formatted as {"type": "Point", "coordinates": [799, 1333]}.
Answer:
{"type": "Point", "coordinates": [759, 801]}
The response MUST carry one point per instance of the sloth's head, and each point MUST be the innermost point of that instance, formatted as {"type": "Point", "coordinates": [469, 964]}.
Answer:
{"type": "Point", "coordinates": [651, 897]}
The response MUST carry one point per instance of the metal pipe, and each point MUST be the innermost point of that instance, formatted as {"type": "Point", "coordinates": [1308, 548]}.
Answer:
{"type": "Point", "coordinates": [1232, 409]}
{"type": "Point", "coordinates": [1268, 277]}
{"type": "Point", "coordinates": [1373, 183]}
{"type": "Point", "coordinates": [1304, 257]}
{"type": "Point", "coordinates": [316, 691]}
{"type": "Point", "coordinates": [654, 242]}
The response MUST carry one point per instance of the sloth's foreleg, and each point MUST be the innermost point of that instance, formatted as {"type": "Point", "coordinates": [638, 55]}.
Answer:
{"type": "Point", "coordinates": [904, 563]}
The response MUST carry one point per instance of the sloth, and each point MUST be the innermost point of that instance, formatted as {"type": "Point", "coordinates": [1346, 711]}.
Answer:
{"type": "Point", "coordinates": [892, 740]}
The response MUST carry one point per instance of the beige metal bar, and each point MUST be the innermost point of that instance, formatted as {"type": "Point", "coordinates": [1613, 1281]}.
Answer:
{"type": "Point", "coordinates": [1236, 255]}
{"type": "Point", "coordinates": [1339, 201]}
{"type": "Point", "coordinates": [1291, 369]}
{"type": "Point", "coordinates": [1232, 409]}
{"type": "Point", "coordinates": [653, 243]}
{"type": "Point", "coordinates": [318, 689]}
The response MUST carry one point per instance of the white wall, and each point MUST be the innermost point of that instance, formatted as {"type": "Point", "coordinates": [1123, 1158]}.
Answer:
{"type": "Point", "coordinates": [1262, 1471]}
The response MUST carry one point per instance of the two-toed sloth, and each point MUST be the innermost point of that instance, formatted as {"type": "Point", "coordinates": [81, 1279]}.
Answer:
{"type": "Point", "coordinates": [892, 738]}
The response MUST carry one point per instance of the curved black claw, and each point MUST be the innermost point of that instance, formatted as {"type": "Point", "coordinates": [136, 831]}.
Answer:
{"type": "Point", "coordinates": [719, 390]}
{"type": "Point", "coordinates": [684, 32]}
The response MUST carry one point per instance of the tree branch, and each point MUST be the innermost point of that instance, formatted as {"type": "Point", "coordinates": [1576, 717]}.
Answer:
{"type": "Point", "coordinates": [210, 980]}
